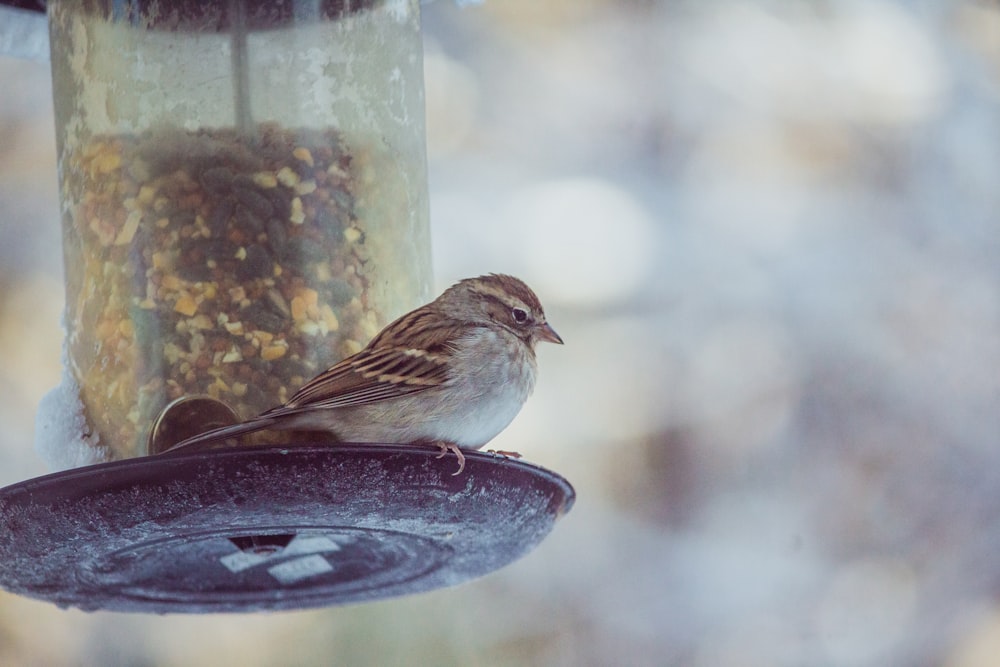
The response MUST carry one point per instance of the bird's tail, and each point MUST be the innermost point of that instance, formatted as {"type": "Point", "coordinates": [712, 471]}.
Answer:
{"type": "Point", "coordinates": [224, 432]}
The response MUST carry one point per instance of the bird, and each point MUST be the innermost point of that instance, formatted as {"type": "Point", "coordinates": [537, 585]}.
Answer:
{"type": "Point", "coordinates": [453, 373]}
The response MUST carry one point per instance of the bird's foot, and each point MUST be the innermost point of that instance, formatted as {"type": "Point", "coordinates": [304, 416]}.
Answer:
{"type": "Point", "coordinates": [452, 447]}
{"type": "Point", "coordinates": [504, 453]}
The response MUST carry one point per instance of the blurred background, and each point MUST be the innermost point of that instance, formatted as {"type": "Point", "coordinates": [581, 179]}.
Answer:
{"type": "Point", "coordinates": [768, 232]}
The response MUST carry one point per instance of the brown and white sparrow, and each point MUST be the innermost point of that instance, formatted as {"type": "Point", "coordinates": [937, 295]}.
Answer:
{"type": "Point", "coordinates": [454, 373]}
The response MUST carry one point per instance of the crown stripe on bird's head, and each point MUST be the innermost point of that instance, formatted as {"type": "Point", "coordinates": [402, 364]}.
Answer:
{"type": "Point", "coordinates": [502, 287]}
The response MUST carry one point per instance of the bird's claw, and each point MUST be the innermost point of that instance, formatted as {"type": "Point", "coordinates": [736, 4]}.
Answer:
{"type": "Point", "coordinates": [451, 447]}
{"type": "Point", "coordinates": [504, 453]}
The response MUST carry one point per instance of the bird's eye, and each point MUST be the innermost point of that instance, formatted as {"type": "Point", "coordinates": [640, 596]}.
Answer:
{"type": "Point", "coordinates": [520, 315]}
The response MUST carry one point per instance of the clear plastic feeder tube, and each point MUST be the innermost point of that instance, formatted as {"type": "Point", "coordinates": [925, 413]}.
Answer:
{"type": "Point", "coordinates": [244, 197]}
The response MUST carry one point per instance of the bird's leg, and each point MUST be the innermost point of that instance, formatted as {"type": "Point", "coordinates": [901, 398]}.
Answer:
{"type": "Point", "coordinates": [452, 447]}
{"type": "Point", "coordinates": [504, 453]}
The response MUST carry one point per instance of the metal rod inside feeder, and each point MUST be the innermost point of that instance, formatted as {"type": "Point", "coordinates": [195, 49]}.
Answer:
{"type": "Point", "coordinates": [241, 71]}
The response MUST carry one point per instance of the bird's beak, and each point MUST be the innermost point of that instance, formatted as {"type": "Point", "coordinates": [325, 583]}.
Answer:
{"type": "Point", "coordinates": [546, 332]}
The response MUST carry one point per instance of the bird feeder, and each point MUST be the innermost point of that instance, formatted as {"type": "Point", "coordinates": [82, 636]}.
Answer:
{"type": "Point", "coordinates": [244, 203]}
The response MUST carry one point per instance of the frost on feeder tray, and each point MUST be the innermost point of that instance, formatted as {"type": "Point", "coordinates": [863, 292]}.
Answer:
{"type": "Point", "coordinates": [253, 529]}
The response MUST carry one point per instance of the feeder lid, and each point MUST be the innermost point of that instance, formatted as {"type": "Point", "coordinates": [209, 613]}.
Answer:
{"type": "Point", "coordinates": [24, 29]}
{"type": "Point", "coordinates": [267, 528]}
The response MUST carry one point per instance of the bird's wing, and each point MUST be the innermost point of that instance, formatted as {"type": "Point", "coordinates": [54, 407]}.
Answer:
{"type": "Point", "coordinates": [383, 370]}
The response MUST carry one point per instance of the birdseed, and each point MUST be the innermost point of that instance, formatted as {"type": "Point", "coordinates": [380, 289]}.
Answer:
{"type": "Point", "coordinates": [205, 262]}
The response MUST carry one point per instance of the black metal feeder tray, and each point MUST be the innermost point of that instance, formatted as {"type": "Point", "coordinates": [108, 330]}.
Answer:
{"type": "Point", "coordinates": [270, 528]}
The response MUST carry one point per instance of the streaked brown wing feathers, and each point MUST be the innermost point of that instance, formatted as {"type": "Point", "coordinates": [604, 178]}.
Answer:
{"type": "Point", "coordinates": [385, 369]}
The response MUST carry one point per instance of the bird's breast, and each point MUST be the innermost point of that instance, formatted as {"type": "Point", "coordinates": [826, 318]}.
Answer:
{"type": "Point", "coordinates": [493, 375]}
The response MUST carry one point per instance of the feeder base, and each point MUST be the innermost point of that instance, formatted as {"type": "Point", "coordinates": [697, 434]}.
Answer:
{"type": "Point", "coordinates": [268, 528]}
